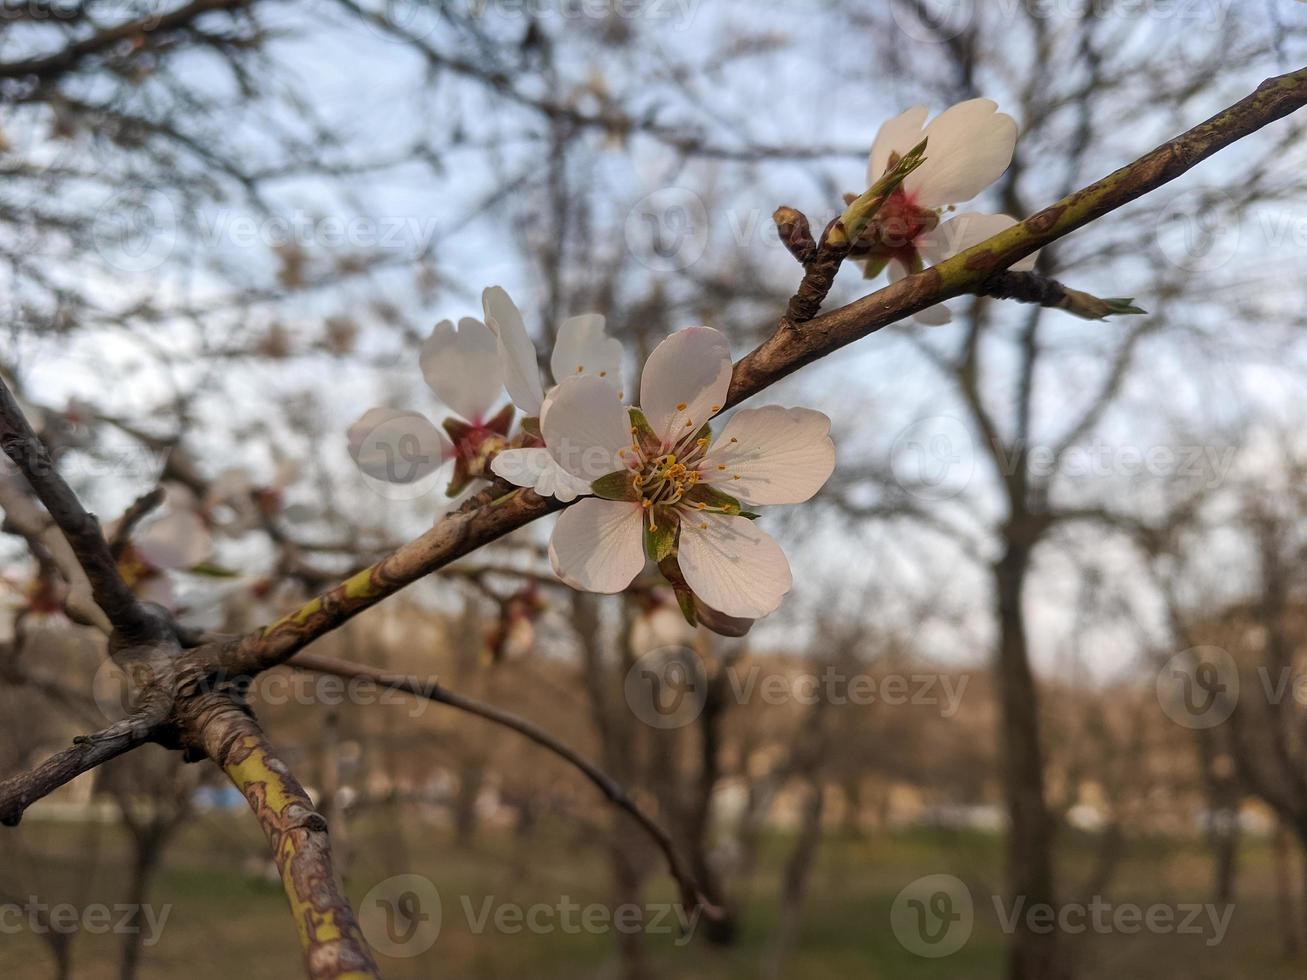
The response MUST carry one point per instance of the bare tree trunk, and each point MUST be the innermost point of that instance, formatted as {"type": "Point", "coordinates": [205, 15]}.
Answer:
{"type": "Point", "coordinates": [148, 851]}
{"type": "Point", "coordinates": [853, 803]}
{"type": "Point", "coordinates": [723, 931]}
{"type": "Point", "coordinates": [1111, 849]}
{"type": "Point", "coordinates": [331, 801]}
{"type": "Point", "coordinates": [1224, 841]}
{"type": "Point", "coordinates": [61, 948]}
{"type": "Point", "coordinates": [617, 745]}
{"type": "Point", "coordinates": [794, 884]}
{"type": "Point", "coordinates": [470, 780]}
{"type": "Point", "coordinates": [1281, 849]}
{"type": "Point", "coordinates": [628, 882]}
{"type": "Point", "coordinates": [1031, 831]}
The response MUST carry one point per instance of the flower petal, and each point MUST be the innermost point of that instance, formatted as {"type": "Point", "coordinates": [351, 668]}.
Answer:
{"type": "Point", "coordinates": [685, 381]}
{"type": "Point", "coordinates": [772, 455]}
{"type": "Point", "coordinates": [968, 147]}
{"type": "Point", "coordinates": [931, 316]}
{"type": "Point", "coordinates": [397, 446]}
{"type": "Point", "coordinates": [462, 367]}
{"type": "Point", "coordinates": [178, 539]}
{"type": "Point", "coordinates": [733, 565]}
{"type": "Point", "coordinates": [897, 135]}
{"type": "Point", "coordinates": [598, 545]}
{"type": "Point", "coordinates": [586, 428]}
{"type": "Point", "coordinates": [537, 469]}
{"type": "Point", "coordinates": [582, 347]}
{"type": "Point", "coordinates": [962, 232]}
{"type": "Point", "coordinates": [517, 354]}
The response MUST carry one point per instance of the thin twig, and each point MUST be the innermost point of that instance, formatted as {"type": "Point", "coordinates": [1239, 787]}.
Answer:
{"type": "Point", "coordinates": [21, 790]}
{"type": "Point", "coordinates": [141, 507]}
{"type": "Point", "coordinates": [82, 530]}
{"type": "Point", "coordinates": [1030, 287]}
{"type": "Point", "coordinates": [691, 894]}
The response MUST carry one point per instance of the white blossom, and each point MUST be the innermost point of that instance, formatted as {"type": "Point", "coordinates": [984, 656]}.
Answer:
{"type": "Point", "coordinates": [968, 147]}
{"type": "Point", "coordinates": [661, 461]}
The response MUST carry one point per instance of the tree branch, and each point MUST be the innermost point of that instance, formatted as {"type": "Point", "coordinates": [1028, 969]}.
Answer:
{"type": "Point", "coordinates": [68, 59]}
{"type": "Point", "coordinates": [789, 348]}
{"type": "Point", "coordinates": [127, 615]}
{"type": "Point", "coordinates": [330, 939]}
{"type": "Point", "coordinates": [786, 351]}
{"type": "Point", "coordinates": [692, 895]}
{"type": "Point", "coordinates": [21, 790]}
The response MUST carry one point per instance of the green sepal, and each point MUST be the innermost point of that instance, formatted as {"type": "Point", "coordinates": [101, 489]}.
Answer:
{"type": "Point", "coordinates": [459, 479]}
{"type": "Point", "coordinates": [618, 485]}
{"type": "Point", "coordinates": [458, 429]}
{"type": "Point", "coordinates": [660, 542]}
{"type": "Point", "coordinates": [1090, 307]}
{"type": "Point", "coordinates": [750, 515]}
{"type": "Point", "coordinates": [212, 570]}
{"type": "Point", "coordinates": [684, 596]}
{"type": "Point", "coordinates": [501, 421]}
{"type": "Point", "coordinates": [862, 209]}
{"type": "Point", "coordinates": [648, 440]}
{"type": "Point", "coordinates": [531, 426]}
{"type": "Point", "coordinates": [874, 267]}
{"type": "Point", "coordinates": [685, 602]}
{"type": "Point", "coordinates": [703, 493]}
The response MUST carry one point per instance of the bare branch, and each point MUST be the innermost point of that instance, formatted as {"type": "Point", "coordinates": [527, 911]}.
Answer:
{"type": "Point", "coordinates": [21, 790]}
{"type": "Point", "coordinates": [485, 517]}
{"type": "Point", "coordinates": [82, 530]}
{"type": "Point", "coordinates": [330, 938]}
{"type": "Point", "coordinates": [70, 58]}
{"type": "Point", "coordinates": [691, 894]}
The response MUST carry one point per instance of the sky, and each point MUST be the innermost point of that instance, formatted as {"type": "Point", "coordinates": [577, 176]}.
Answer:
{"type": "Point", "coordinates": [821, 90]}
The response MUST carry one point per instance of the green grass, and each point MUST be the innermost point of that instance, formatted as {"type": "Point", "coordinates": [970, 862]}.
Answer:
{"type": "Point", "coordinates": [226, 921]}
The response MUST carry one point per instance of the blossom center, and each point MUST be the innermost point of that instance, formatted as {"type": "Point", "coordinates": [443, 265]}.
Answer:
{"type": "Point", "coordinates": [899, 223]}
{"type": "Point", "coordinates": [665, 475]}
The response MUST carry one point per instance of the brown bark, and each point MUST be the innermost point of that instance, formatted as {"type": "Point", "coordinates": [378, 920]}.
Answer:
{"type": "Point", "coordinates": [1030, 875]}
